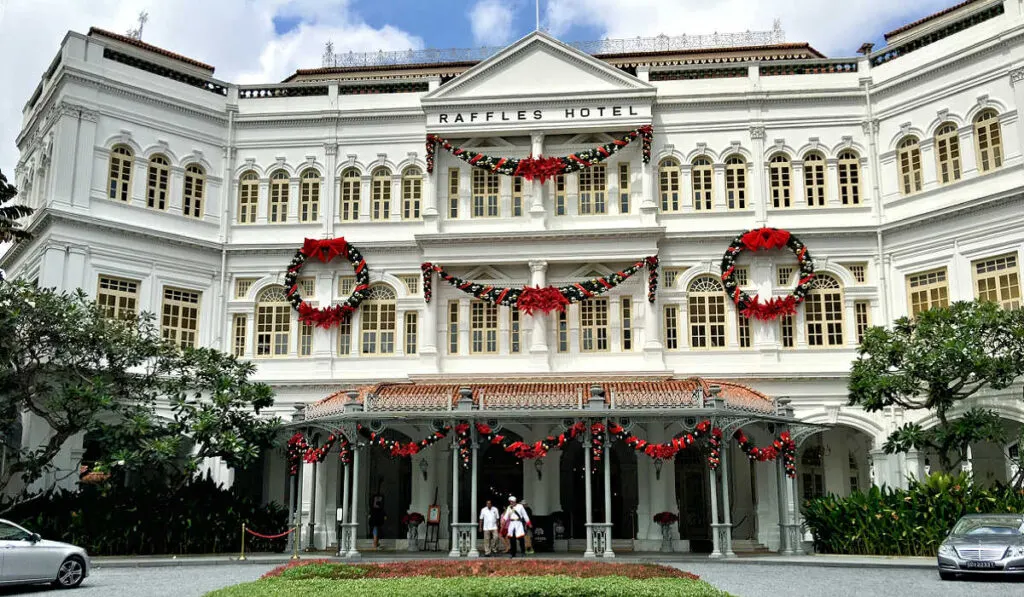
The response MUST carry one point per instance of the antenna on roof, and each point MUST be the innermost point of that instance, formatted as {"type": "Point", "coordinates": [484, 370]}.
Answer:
{"type": "Point", "coordinates": [137, 33]}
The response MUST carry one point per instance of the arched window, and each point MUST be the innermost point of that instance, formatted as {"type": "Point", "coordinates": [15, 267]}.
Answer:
{"type": "Point", "coordinates": [157, 182]}
{"type": "Point", "coordinates": [705, 301]}
{"type": "Point", "coordinates": [485, 193]}
{"type": "Point", "coordinates": [824, 312]}
{"type": "Point", "coordinates": [779, 177]}
{"type": "Point", "coordinates": [988, 140]}
{"type": "Point", "coordinates": [350, 184]}
{"type": "Point", "coordinates": [380, 191]}
{"type": "Point", "coordinates": [701, 184]}
{"type": "Point", "coordinates": [668, 184]}
{"type": "Point", "coordinates": [248, 197]}
{"type": "Point", "coordinates": [309, 195]}
{"type": "Point", "coordinates": [377, 328]}
{"type": "Point", "coordinates": [814, 179]}
{"type": "Point", "coordinates": [593, 186]}
{"type": "Point", "coordinates": [947, 153]}
{"type": "Point", "coordinates": [412, 193]}
{"type": "Point", "coordinates": [909, 156]}
{"type": "Point", "coordinates": [194, 192]}
{"type": "Point", "coordinates": [278, 197]}
{"type": "Point", "coordinates": [849, 178]}
{"type": "Point", "coordinates": [273, 323]}
{"type": "Point", "coordinates": [119, 180]}
{"type": "Point", "coordinates": [736, 182]}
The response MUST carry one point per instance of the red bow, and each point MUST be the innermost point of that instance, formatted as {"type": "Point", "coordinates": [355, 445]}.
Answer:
{"type": "Point", "coordinates": [545, 300]}
{"type": "Point", "coordinates": [764, 239]}
{"type": "Point", "coordinates": [326, 249]}
{"type": "Point", "coordinates": [773, 308]}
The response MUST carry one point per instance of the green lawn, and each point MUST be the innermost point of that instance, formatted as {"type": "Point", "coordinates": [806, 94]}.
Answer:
{"type": "Point", "coordinates": [507, 586]}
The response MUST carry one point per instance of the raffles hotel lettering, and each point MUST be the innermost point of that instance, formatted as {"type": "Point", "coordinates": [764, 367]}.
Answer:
{"type": "Point", "coordinates": [526, 115]}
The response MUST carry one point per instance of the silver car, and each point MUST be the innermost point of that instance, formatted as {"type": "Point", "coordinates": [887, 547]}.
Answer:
{"type": "Point", "coordinates": [984, 543]}
{"type": "Point", "coordinates": [27, 558]}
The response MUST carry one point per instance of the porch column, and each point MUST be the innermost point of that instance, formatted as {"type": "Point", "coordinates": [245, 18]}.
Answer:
{"type": "Point", "coordinates": [454, 552]}
{"type": "Point", "coordinates": [298, 506]}
{"type": "Point", "coordinates": [716, 550]}
{"type": "Point", "coordinates": [313, 491]}
{"type": "Point", "coordinates": [357, 458]}
{"type": "Point", "coordinates": [784, 547]}
{"type": "Point", "coordinates": [343, 538]}
{"type": "Point", "coordinates": [292, 499]}
{"type": "Point", "coordinates": [795, 538]}
{"type": "Point", "coordinates": [726, 514]}
{"type": "Point", "coordinates": [607, 466]}
{"type": "Point", "coordinates": [587, 455]}
{"type": "Point", "coordinates": [473, 512]}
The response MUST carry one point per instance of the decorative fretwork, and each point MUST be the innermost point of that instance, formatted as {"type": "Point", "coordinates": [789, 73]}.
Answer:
{"type": "Point", "coordinates": [699, 73]}
{"type": "Point", "coordinates": [163, 71]}
{"type": "Point", "coordinates": [886, 54]}
{"type": "Point", "coordinates": [812, 67]}
{"type": "Point", "coordinates": [269, 91]}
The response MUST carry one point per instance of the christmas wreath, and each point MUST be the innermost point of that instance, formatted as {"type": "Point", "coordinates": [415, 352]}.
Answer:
{"type": "Point", "coordinates": [765, 239]}
{"type": "Point", "coordinates": [397, 449]}
{"type": "Point", "coordinates": [540, 167]}
{"type": "Point", "coordinates": [326, 250]}
{"type": "Point", "coordinates": [545, 300]}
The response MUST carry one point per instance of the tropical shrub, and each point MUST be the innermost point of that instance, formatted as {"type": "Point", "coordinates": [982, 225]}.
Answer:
{"type": "Point", "coordinates": [144, 519]}
{"type": "Point", "coordinates": [902, 522]}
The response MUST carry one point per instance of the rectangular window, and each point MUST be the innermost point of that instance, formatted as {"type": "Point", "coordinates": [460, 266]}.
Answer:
{"type": "Point", "coordinates": [671, 327]}
{"type": "Point", "coordinates": [594, 325]}
{"type": "Point", "coordinates": [242, 286]}
{"type": "Point", "coordinates": [453, 193]}
{"type": "Point", "coordinates": [517, 196]}
{"type": "Point", "coordinates": [351, 184]}
{"type": "Point", "coordinates": [743, 331]}
{"type": "Point", "coordinates": [593, 181]}
{"type": "Point", "coordinates": [862, 319]}
{"type": "Point", "coordinates": [345, 337]}
{"type": "Point", "coordinates": [412, 282]}
{"type": "Point", "coordinates": [411, 321]}
{"type": "Point", "coordinates": [672, 275]}
{"type": "Point", "coordinates": [453, 327]}
{"type": "Point", "coordinates": [117, 297]}
{"type": "Point", "coordinates": [412, 195]}
{"type": "Point", "coordinates": [483, 328]}
{"type": "Point", "coordinates": [305, 340]}
{"type": "Point", "coordinates": [179, 322]}
{"type": "Point", "coordinates": [273, 329]}
{"type": "Point", "coordinates": [248, 199]}
{"type": "Point", "coordinates": [378, 328]}
{"type": "Point", "coordinates": [515, 342]}
{"type": "Point", "coordinates": [624, 188]}
{"type": "Point", "coordinates": [563, 331]}
{"type": "Point", "coordinates": [346, 284]}
{"type": "Point", "coordinates": [927, 290]}
{"type": "Point", "coordinates": [560, 195]}
{"type": "Point", "coordinates": [859, 271]}
{"type": "Point", "coordinates": [485, 193]}
{"type": "Point", "coordinates": [309, 198]}
{"type": "Point", "coordinates": [787, 331]}
{"type": "Point", "coordinates": [742, 275]}
{"type": "Point", "coordinates": [307, 286]}
{"type": "Point", "coordinates": [240, 334]}
{"type": "Point", "coordinates": [380, 195]}
{"type": "Point", "coordinates": [279, 200]}
{"type": "Point", "coordinates": [626, 315]}
{"type": "Point", "coordinates": [784, 275]}
{"type": "Point", "coordinates": [706, 314]}
{"type": "Point", "coordinates": [998, 280]}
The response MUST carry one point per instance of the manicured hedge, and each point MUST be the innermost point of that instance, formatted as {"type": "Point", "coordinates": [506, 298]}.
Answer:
{"type": "Point", "coordinates": [302, 570]}
{"type": "Point", "coordinates": [902, 522]}
{"type": "Point", "coordinates": [506, 586]}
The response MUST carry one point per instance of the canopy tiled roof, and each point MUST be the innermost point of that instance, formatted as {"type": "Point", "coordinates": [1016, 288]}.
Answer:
{"type": "Point", "coordinates": [935, 15]}
{"type": "Point", "coordinates": [93, 31]}
{"type": "Point", "coordinates": [540, 395]}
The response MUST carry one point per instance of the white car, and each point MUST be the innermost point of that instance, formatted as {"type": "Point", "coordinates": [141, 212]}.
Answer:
{"type": "Point", "coordinates": [27, 558]}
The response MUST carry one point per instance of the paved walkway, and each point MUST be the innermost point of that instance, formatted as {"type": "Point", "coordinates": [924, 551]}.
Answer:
{"type": "Point", "coordinates": [831, 561]}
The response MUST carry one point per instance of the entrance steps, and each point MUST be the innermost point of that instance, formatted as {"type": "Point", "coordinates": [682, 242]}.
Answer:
{"type": "Point", "coordinates": [748, 546]}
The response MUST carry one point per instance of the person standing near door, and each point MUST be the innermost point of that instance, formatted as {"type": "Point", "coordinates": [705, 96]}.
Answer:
{"type": "Point", "coordinates": [489, 525]}
{"type": "Point", "coordinates": [377, 515]}
{"type": "Point", "coordinates": [518, 520]}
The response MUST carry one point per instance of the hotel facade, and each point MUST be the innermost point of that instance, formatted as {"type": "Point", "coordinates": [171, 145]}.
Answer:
{"type": "Point", "coordinates": [160, 188]}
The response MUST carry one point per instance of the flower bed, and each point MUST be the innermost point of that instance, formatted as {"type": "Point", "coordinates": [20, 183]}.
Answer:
{"type": "Point", "coordinates": [480, 568]}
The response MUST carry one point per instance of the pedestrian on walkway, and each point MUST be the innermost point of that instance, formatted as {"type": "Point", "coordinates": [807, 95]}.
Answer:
{"type": "Point", "coordinates": [489, 525]}
{"type": "Point", "coordinates": [518, 520]}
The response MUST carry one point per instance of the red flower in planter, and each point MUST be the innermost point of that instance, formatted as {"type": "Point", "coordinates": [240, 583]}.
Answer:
{"type": "Point", "coordinates": [413, 518]}
{"type": "Point", "coordinates": [666, 518]}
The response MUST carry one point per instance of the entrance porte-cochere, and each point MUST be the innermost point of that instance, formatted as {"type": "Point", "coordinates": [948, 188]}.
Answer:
{"type": "Point", "coordinates": [626, 451]}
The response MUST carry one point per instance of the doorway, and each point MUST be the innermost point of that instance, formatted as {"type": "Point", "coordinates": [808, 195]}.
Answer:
{"type": "Point", "coordinates": [693, 500]}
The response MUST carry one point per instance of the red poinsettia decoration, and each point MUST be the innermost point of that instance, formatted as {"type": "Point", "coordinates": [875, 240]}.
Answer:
{"type": "Point", "coordinates": [666, 518]}
{"type": "Point", "coordinates": [764, 239]}
{"type": "Point", "coordinates": [773, 308]}
{"type": "Point", "coordinates": [540, 168]}
{"type": "Point", "coordinates": [412, 519]}
{"type": "Point", "coordinates": [545, 300]}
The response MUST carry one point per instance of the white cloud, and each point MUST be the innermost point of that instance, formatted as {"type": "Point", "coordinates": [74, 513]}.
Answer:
{"type": "Point", "coordinates": [236, 36]}
{"type": "Point", "coordinates": [834, 28]}
{"type": "Point", "coordinates": [491, 21]}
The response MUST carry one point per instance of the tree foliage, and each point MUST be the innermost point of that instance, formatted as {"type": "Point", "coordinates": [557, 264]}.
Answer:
{"type": "Point", "coordinates": [936, 362]}
{"type": "Point", "coordinates": [10, 227]}
{"type": "Point", "coordinates": [152, 406]}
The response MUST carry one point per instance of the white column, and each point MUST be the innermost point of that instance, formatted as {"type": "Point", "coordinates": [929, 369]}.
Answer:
{"type": "Point", "coordinates": [293, 200]}
{"type": "Point", "coordinates": [968, 157]}
{"type": "Point", "coordinates": [781, 487]}
{"type": "Point", "coordinates": [726, 509]}
{"type": "Point", "coordinates": [454, 552]}
{"type": "Point", "coordinates": [716, 551]}
{"type": "Point", "coordinates": [357, 452]}
{"type": "Point", "coordinates": [314, 494]}
{"type": "Point", "coordinates": [365, 198]}
{"type": "Point", "coordinates": [538, 337]}
{"type": "Point", "coordinates": [329, 190]}
{"type": "Point", "coordinates": [607, 466]}
{"type": "Point", "coordinates": [345, 535]}
{"type": "Point", "coordinates": [428, 332]}
{"type": "Point", "coordinates": [473, 506]}
{"type": "Point", "coordinates": [537, 149]}
{"type": "Point", "coordinates": [587, 455]}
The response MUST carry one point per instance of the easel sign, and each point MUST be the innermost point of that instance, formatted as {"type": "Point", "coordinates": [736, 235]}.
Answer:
{"type": "Point", "coordinates": [434, 514]}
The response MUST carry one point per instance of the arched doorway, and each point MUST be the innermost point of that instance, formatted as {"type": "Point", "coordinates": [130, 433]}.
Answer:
{"type": "Point", "coordinates": [390, 483]}
{"type": "Point", "coordinates": [623, 490]}
{"type": "Point", "coordinates": [693, 500]}
{"type": "Point", "coordinates": [835, 461]}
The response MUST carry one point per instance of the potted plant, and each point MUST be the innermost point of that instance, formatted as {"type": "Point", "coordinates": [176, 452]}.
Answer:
{"type": "Point", "coordinates": [413, 520]}
{"type": "Point", "coordinates": [666, 520]}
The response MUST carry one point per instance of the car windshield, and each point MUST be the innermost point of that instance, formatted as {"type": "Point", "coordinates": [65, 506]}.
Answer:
{"type": "Point", "coordinates": [990, 526]}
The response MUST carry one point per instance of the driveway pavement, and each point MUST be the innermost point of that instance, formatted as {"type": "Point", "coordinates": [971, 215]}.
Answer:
{"type": "Point", "coordinates": [166, 581]}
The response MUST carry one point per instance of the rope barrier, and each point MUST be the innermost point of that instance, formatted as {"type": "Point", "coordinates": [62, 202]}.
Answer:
{"type": "Point", "coordinates": [255, 534]}
{"type": "Point", "coordinates": [246, 529]}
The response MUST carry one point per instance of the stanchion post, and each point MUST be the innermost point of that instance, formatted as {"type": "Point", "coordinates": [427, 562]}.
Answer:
{"type": "Point", "coordinates": [295, 544]}
{"type": "Point", "coordinates": [242, 557]}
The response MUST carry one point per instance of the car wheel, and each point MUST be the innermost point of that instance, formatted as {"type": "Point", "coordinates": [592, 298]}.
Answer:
{"type": "Point", "coordinates": [71, 573]}
{"type": "Point", "coordinates": [947, 575]}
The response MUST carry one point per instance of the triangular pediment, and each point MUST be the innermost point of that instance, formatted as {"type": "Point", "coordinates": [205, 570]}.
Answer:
{"type": "Point", "coordinates": [538, 65]}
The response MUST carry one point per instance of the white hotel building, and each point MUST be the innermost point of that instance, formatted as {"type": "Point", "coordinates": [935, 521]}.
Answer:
{"type": "Point", "coordinates": [159, 187]}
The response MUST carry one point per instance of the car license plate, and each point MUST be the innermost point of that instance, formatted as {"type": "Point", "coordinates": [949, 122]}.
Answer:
{"type": "Point", "coordinates": [980, 565]}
